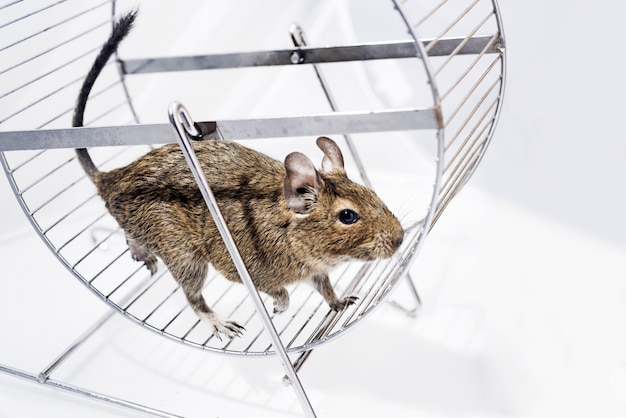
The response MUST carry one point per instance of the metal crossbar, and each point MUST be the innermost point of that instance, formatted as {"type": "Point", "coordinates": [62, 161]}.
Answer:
{"type": "Point", "coordinates": [152, 134]}
{"type": "Point", "coordinates": [306, 55]}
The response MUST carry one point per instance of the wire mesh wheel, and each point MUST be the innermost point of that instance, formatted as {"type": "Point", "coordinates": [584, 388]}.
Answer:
{"type": "Point", "coordinates": [449, 54]}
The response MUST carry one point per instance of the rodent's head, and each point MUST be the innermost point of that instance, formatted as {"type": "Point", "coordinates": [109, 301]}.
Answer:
{"type": "Point", "coordinates": [338, 219]}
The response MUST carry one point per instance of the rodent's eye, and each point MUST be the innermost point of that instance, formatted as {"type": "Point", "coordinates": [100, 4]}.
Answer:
{"type": "Point", "coordinates": [348, 216]}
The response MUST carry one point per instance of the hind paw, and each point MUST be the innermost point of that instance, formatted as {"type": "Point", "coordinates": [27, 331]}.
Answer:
{"type": "Point", "coordinates": [230, 329]}
{"type": "Point", "coordinates": [141, 253]}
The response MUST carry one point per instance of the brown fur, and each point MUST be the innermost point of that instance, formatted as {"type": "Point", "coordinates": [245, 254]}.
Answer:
{"type": "Point", "coordinates": [285, 219]}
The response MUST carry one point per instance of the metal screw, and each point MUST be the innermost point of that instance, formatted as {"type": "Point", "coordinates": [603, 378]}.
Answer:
{"type": "Point", "coordinates": [297, 57]}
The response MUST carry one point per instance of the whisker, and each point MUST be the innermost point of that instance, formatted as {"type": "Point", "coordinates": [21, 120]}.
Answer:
{"type": "Point", "coordinates": [407, 216]}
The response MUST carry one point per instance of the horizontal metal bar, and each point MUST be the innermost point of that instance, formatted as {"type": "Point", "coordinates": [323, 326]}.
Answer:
{"type": "Point", "coordinates": [303, 55]}
{"type": "Point", "coordinates": [85, 137]}
{"type": "Point", "coordinates": [152, 134]}
{"type": "Point", "coordinates": [332, 123]}
{"type": "Point", "coordinates": [76, 390]}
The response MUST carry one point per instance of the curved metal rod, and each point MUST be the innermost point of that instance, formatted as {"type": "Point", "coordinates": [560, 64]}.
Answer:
{"type": "Point", "coordinates": [423, 55]}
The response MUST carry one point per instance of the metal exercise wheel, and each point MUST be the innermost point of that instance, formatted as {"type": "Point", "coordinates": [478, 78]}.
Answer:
{"type": "Point", "coordinates": [450, 53]}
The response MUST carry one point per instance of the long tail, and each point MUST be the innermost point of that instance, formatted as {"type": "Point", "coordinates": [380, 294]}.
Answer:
{"type": "Point", "coordinates": [120, 29]}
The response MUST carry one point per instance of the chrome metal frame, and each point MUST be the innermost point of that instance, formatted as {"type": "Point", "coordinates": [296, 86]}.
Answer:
{"type": "Point", "coordinates": [463, 114]}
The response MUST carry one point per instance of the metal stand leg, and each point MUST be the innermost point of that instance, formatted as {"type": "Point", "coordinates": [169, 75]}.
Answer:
{"type": "Point", "coordinates": [45, 374]}
{"type": "Point", "coordinates": [180, 118]}
{"type": "Point", "coordinates": [75, 390]}
{"type": "Point", "coordinates": [412, 312]}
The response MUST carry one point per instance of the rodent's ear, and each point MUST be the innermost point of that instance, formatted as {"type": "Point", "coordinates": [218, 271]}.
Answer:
{"type": "Point", "coordinates": [333, 158]}
{"type": "Point", "coordinates": [301, 183]}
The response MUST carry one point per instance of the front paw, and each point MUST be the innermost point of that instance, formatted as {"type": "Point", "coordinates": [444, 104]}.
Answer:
{"type": "Point", "coordinates": [281, 300]}
{"type": "Point", "coordinates": [151, 264]}
{"type": "Point", "coordinates": [339, 305]}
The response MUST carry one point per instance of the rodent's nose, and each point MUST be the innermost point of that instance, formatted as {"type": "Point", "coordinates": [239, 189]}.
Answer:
{"type": "Point", "coordinates": [398, 241]}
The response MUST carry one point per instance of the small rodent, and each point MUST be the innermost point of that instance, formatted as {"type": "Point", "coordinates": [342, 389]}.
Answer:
{"type": "Point", "coordinates": [290, 222]}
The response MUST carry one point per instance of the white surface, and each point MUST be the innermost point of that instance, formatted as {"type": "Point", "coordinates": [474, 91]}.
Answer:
{"type": "Point", "coordinates": [522, 279]}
